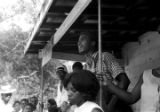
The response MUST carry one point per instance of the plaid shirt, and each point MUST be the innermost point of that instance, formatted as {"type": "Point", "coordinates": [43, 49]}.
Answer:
{"type": "Point", "coordinates": [110, 67]}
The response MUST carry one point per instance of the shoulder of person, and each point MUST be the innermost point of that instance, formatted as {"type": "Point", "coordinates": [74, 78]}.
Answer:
{"type": "Point", "coordinates": [97, 110]}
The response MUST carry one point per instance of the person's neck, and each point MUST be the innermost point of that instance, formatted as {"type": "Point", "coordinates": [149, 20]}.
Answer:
{"type": "Point", "coordinates": [81, 102]}
{"type": "Point", "coordinates": [89, 54]}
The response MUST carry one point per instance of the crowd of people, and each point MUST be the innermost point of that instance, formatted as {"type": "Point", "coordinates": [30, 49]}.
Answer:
{"type": "Point", "coordinates": [78, 91]}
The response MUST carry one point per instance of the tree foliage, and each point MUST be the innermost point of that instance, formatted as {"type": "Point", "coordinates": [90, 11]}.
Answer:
{"type": "Point", "coordinates": [23, 72]}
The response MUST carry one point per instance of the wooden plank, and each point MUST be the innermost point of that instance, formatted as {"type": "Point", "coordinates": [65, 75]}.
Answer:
{"type": "Point", "coordinates": [42, 15]}
{"type": "Point", "coordinates": [68, 56]}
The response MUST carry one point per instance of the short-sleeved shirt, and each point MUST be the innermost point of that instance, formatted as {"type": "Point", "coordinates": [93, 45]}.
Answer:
{"type": "Point", "coordinates": [110, 66]}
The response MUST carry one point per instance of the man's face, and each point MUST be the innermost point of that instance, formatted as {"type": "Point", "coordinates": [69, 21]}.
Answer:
{"type": "Point", "coordinates": [33, 101]}
{"type": "Point", "coordinates": [83, 44]}
{"type": "Point", "coordinates": [23, 103]}
{"type": "Point", "coordinates": [51, 107]}
{"type": "Point", "coordinates": [27, 108]}
{"type": "Point", "coordinates": [6, 97]}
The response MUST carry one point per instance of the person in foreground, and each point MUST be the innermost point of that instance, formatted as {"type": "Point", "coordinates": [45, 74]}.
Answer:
{"type": "Point", "coordinates": [82, 88]}
{"type": "Point", "coordinates": [147, 89]}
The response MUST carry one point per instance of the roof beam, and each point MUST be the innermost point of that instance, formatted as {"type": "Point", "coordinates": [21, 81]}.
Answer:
{"type": "Point", "coordinates": [68, 56]}
{"type": "Point", "coordinates": [42, 15]}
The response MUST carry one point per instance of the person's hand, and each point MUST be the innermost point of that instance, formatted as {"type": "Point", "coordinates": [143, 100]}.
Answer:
{"type": "Point", "coordinates": [105, 79]}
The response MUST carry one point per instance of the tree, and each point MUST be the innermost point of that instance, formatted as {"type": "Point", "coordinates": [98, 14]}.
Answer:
{"type": "Point", "coordinates": [22, 72]}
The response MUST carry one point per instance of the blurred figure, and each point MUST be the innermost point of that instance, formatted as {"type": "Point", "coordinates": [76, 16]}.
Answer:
{"type": "Point", "coordinates": [17, 106]}
{"type": "Point", "coordinates": [34, 101]}
{"type": "Point", "coordinates": [52, 106]}
{"type": "Point", "coordinates": [6, 94]}
{"type": "Point", "coordinates": [28, 108]}
{"type": "Point", "coordinates": [147, 90]}
{"type": "Point", "coordinates": [23, 103]}
{"type": "Point", "coordinates": [77, 66]}
{"type": "Point", "coordinates": [61, 92]}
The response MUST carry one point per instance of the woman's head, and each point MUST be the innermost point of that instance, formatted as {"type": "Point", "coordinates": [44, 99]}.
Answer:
{"type": "Point", "coordinates": [82, 85]}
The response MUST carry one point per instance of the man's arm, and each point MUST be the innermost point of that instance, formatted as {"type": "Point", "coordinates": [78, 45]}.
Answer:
{"type": "Point", "coordinates": [123, 83]}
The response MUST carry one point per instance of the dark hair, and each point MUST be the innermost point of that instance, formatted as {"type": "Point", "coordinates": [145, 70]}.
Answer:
{"type": "Point", "coordinates": [52, 102]}
{"type": "Point", "coordinates": [77, 65]}
{"type": "Point", "coordinates": [85, 82]}
{"type": "Point", "coordinates": [26, 100]}
{"type": "Point", "coordinates": [16, 102]}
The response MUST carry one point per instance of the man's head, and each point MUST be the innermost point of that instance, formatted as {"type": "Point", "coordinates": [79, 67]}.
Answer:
{"type": "Point", "coordinates": [34, 102]}
{"type": "Point", "coordinates": [6, 93]}
{"type": "Point", "coordinates": [77, 66]}
{"type": "Point", "coordinates": [87, 42]}
{"type": "Point", "coordinates": [28, 108]}
{"type": "Point", "coordinates": [52, 106]}
{"type": "Point", "coordinates": [24, 102]}
{"type": "Point", "coordinates": [6, 97]}
{"type": "Point", "coordinates": [61, 73]}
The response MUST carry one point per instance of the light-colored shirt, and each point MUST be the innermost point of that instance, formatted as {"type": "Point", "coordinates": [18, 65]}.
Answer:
{"type": "Point", "coordinates": [149, 93]}
{"type": "Point", "coordinates": [87, 107]}
{"type": "Point", "coordinates": [62, 95]}
{"type": "Point", "coordinates": [5, 107]}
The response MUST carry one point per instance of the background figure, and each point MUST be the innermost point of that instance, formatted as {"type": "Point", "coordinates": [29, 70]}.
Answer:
{"type": "Point", "coordinates": [147, 89]}
{"type": "Point", "coordinates": [82, 88]}
{"type": "Point", "coordinates": [61, 92]}
{"type": "Point", "coordinates": [17, 106]}
{"type": "Point", "coordinates": [6, 94]}
{"type": "Point", "coordinates": [24, 102]}
{"type": "Point", "coordinates": [34, 101]}
{"type": "Point", "coordinates": [28, 108]}
{"type": "Point", "coordinates": [52, 106]}
{"type": "Point", "coordinates": [87, 45]}
{"type": "Point", "coordinates": [77, 66]}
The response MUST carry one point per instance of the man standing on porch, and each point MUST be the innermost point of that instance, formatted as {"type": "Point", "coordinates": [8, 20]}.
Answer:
{"type": "Point", "coordinates": [87, 45]}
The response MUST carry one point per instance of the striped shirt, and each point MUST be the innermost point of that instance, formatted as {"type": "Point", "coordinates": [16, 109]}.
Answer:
{"type": "Point", "coordinates": [110, 67]}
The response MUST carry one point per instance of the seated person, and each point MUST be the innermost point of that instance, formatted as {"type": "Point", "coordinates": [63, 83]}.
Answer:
{"type": "Point", "coordinates": [82, 88]}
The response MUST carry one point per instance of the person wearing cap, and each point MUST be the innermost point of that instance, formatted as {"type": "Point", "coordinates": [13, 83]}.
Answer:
{"type": "Point", "coordinates": [61, 92]}
{"type": "Point", "coordinates": [6, 94]}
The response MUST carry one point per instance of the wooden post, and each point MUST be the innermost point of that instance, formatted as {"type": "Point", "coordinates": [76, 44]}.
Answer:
{"type": "Point", "coordinates": [42, 77]}
{"type": "Point", "coordinates": [100, 51]}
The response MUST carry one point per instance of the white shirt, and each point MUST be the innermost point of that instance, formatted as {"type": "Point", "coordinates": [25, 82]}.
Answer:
{"type": "Point", "coordinates": [5, 107]}
{"type": "Point", "coordinates": [149, 92]}
{"type": "Point", "coordinates": [87, 107]}
{"type": "Point", "coordinates": [61, 95]}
